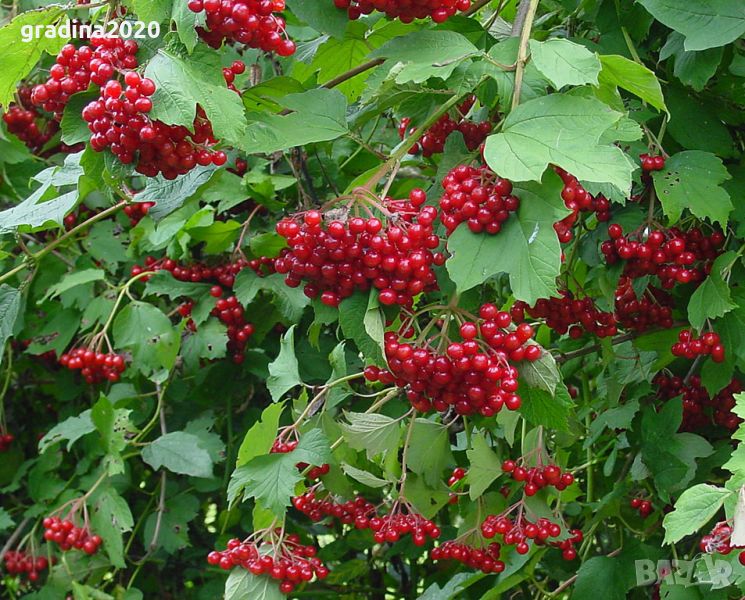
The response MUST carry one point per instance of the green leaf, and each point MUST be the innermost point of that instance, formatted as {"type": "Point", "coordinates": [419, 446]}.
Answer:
{"type": "Point", "coordinates": [149, 335]}
{"type": "Point", "coordinates": [218, 237]}
{"type": "Point", "coordinates": [111, 518]}
{"type": "Point", "coordinates": [429, 450]}
{"type": "Point", "coordinates": [693, 180]}
{"type": "Point", "coordinates": [260, 438]}
{"type": "Point", "coordinates": [6, 521]}
{"type": "Point", "coordinates": [33, 212]}
{"type": "Point", "coordinates": [186, 22]}
{"type": "Point", "coordinates": [374, 433]}
{"type": "Point", "coordinates": [209, 342]}
{"type": "Point", "coordinates": [704, 23]}
{"type": "Point", "coordinates": [242, 585]}
{"type": "Point", "coordinates": [565, 63]}
{"type": "Point", "coordinates": [712, 299]}
{"type": "Point", "coordinates": [316, 116]}
{"type": "Point", "coordinates": [182, 83]}
{"type": "Point", "coordinates": [619, 71]}
{"type": "Point", "coordinates": [71, 280]}
{"type": "Point", "coordinates": [426, 53]}
{"type": "Point", "coordinates": [484, 466]}
{"type": "Point", "coordinates": [173, 534]}
{"type": "Point", "coordinates": [364, 477]}
{"type": "Point", "coordinates": [20, 54]}
{"type": "Point", "coordinates": [271, 478]}
{"type": "Point", "coordinates": [694, 69]}
{"type": "Point", "coordinates": [527, 247]}
{"type": "Point", "coordinates": [151, 10]}
{"type": "Point", "coordinates": [695, 507]}
{"type": "Point", "coordinates": [543, 408]}
{"type": "Point", "coordinates": [74, 128]}
{"type": "Point", "coordinates": [360, 319]}
{"type": "Point", "coordinates": [324, 17]}
{"type": "Point", "coordinates": [71, 429]}
{"type": "Point", "coordinates": [563, 130]}
{"type": "Point", "coordinates": [605, 569]}
{"type": "Point", "coordinates": [284, 373]}
{"type": "Point", "coordinates": [290, 302]}
{"type": "Point", "coordinates": [542, 374]}
{"type": "Point", "coordinates": [10, 306]}
{"type": "Point", "coordinates": [171, 195]}
{"type": "Point", "coordinates": [179, 452]}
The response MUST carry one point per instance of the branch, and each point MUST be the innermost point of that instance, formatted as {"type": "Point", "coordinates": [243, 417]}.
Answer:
{"type": "Point", "coordinates": [353, 73]}
{"type": "Point", "coordinates": [14, 538]}
{"type": "Point", "coordinates": [475, 7]}
{"type": "Point", "coordinates": [594, 348]}
{"type": "Point", "coordinates": [526, 25]}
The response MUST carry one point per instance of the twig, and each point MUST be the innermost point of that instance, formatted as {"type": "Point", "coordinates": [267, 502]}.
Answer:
{"type": "Point", "coordinates": [14, 537]}
{"type": "Point", "coordinates": [572, 579]}
{"type": "Point", "coordinates": [522, 54]}
{"type": "Point", "coordinates": [561, 358]}
{"type": "Point", "coordinates": [477, 6]}
{"type": "Point", "coordinates": [353, 73]}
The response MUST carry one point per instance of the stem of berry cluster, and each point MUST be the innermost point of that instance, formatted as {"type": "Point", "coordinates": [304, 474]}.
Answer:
{"type": "Point", "coordinates": [522, 54]}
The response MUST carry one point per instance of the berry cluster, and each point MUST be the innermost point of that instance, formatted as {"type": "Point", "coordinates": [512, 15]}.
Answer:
{"type": "Point", "coordinates": [690, 347]}
{"type": "Point", "coordinates": [119, 121]}
{"type": "Point", "coordinates": [6, 439]}
{"type": "Point", "coordinates": [699, 409]}
{"type": "Point", "coordinates": [672, 255]}
{"type": "Point", "coordinates": [518, 532]}
{"type": "Point", "coordinates": [568, 314]}
{"type": "Point", "coordinates": [484, 559]}
{"type": "Point", "coordinates": [18, 562]}
{"type": "Point", "coordinates": [289, 561]}
{"type": "Point", "coordinates": [567, 546]}
{"type": "Point", "coordinates": [643, 507]}
{"type": "Point", "coordinates": [23, 122]}
{"type": "Point", "coordinates": [477, 196]}
{"type": "Point", "coordinates": [137, 211]}
{"type": "Point", "coordinates": [337, 257]}
{"type": "Point", "coordinates": [652, 163]}
{"type": "Point", "coordinates": [472, 376]}
{"type": "Point", "coordinates": [439, 10]}
{"type": "Point", "coordinates": [653, 308]}
{"type": "Point", "coordinates": [95, 367]}
{"type": "Point", "coordinates": [718, 540]}
{"type": "Point", "coordinates": [390, 527]}
{"type": "Point", "coordinates": [578, 200]}
{"type": "Point", "coordinates": [230, 312]}
{"type": "Point", "coordinates": [219, 275]}
{"type": "Point", "coordinates": [249, 22]}
{"type": "Point", "coordinates": [66, 535]}
{"type": "Point", "coordinates": [433, 140]}
{"type": "Point", "coordinates": [77, 68]}
{"type": "Point", "coordinates": [280, 447]}
{"type": "Point", "coordinates": [537, 478]}
{"type": "Point", "coordinates": [458, 474]}
{"type": "Point", "coordinates": [355, 512]}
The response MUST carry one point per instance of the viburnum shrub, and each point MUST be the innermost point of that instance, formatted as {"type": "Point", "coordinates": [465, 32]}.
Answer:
{"type": "Point", "coordinates": [372, 299]}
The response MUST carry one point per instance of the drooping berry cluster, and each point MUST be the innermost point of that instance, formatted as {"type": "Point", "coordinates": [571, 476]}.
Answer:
{"type": "Point", "coordinates": [6, 440]}
{"type": "Point", "coordinates": [287, 561]}
{"type": "Point", "coordinates": [406, 11]}
{"type": "Point", "coordinates": [248, 22]}
{"type": "Point", "coordinates": [338, 256]}
{"type": "Point", "coordinates": [520, 531]}
{"type": "Point", "coordinates": [672, 255]}
{"type": "Point", "coordinates": [433, 140]}
{"type": "Point", "coordinates": [230, 311]}
{"type": "Point", "coordinates": [67, 535]}
{"type": "Point", "coordinates": [355, 512]}
{"type": "Point", "coordinates": [578, 200]}
{"type": "Point", "coordinates": [18, 562]}
{"type": "Point", "coordinates": [95, 367]}
{"type": "Point", "coordinates": [77, 68]}
{"type": "Point", "coordinates": [477, 196]}
{"type": "Point", "coordinates": [472, 376]}
{"type": "Point", "coordinates": [119, 120]}
{"type": "Point", "coordinates": [568, 314]}
{"type": "Point", "coordinates": [699, 409]}
{"type": "Point", "coordinates": [688, 346]}
{"type": "Point", "coordinates": [397, 523]}
{"type": "Point", "coordinates": [642, 506]}
{"type": "Point", "coordinates": [653, 309]}
{"type": "Point", "coordinates": [137, 211]}
{"type": "Point", "coordinates": [28, 124]}
{"type": "Point", "coordinates": [652, 163]}
{"type": "Point", "coordinates": [539, 477]}
{"type": "Point", "coordinates": [280, 447]}
{"type": "Point", "coordinates": [484, 559]}
{"type": "Point", "coordinates": [223, 274]}
{"type": "Point", "coordinates": [566, 546]}
{"type": "Point", "coordinates": [718, 540]}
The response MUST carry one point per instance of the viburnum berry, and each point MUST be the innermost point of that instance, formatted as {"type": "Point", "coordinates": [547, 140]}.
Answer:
{"type": "Point", "coordinates": [578, 200]}
{"type": "Point", "coordinates": [283, 447]}
{"type": "Point", "coordinates": [700, 410]}
{"type": "Point", "coordinates": [137, 211]}
{"type": "Point", "coordinates": [67, 535]}
{"type": "Point", "coordinates": [438, 10]}
{"type": "Point", "coordinates": [568, 314]}
{"type": "Point", "coordinates": [718, 540]}
{"type": "Point", "coordinates": [248, 22]}
{"type": "Point", "coordinates": [484, 559]}
{"type": "Point", "coordinates": [335, 256]}
{"type": "Point", "coordinates": [281, 557]}
{"type": "Point", "coordinates": [477, 196]}
{"type": "Point", "coordinates": [566, 546]}
{"type": "Point", "coordinates": [690, 347]}
{"type": "Point", "coordinates": [520, 531]}
{"type": "Point", "coordinates": [94, 366]}
{"type": "Point", "coordinates": [355, 512]}
{"type": "Point", "coordinates": [642, 506]}
{"type": "Point", "coordinates": [652, 163]}
{"type": "Point", "coordinates": [6, 440]}
{"type": "Point", "coordinates": [24, 564]}
{"type": "Point", "coordinates": [538, 477]}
